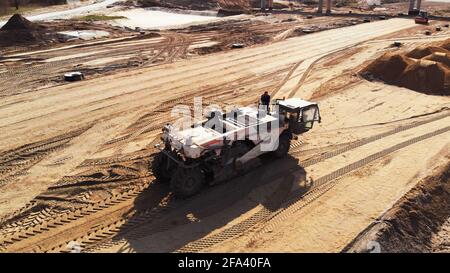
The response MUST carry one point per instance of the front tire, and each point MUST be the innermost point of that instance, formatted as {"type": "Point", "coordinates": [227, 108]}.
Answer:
{"type": "Point", "coordinates": [159, 167]}
{"type": "Point", "coordinates": [284, 143]}
{"type": "Point", "coordinates": [187, 182]}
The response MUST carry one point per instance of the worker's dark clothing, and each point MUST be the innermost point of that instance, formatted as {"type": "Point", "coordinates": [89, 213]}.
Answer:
{"type": "Point", "coordinates": [265, 100]}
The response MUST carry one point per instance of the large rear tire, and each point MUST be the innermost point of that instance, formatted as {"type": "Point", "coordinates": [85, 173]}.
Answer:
{"type": "Point", "coordinates": [187, 182]}
{"type": "Point", "coordinates": [284, 143]}
{"type": "Point", "coordinates": [159, 167]}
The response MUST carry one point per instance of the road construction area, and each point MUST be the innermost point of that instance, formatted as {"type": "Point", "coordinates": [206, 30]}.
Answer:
{"type": "Point", "coordinates": [74, 171]}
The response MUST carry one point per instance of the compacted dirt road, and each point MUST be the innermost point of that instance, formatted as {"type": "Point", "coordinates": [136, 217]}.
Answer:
{"type": "Point", "coordinates": [75, 157]}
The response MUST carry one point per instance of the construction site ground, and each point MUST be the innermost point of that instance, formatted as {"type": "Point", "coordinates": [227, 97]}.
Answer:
{"type": "Point", "coordinates": [75, 156]}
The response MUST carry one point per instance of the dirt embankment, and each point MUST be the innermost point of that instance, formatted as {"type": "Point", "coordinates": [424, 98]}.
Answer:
{"type": "Point", "coordinates": [424, 69]}
{"type": "Point", "coordinates": [413, 220]}
{"type": "Point", "coordinates": [19, 31]}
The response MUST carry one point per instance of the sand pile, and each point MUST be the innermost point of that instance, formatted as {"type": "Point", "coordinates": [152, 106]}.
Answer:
{"type": "Point", "coordinates": [439, 57]}
{"type": "Point", "coordinates": [393, 63]}
{"type": "Point", "coordinates": [424, 69]}
{"type": "Point", "coordinates": [409, 225]}
{"type": "Point", "coordinates": [426, 76]}
{"type": "Point", "coordinates": [18, 31]}
{"type": "Point", "coordinates": [423, 51]}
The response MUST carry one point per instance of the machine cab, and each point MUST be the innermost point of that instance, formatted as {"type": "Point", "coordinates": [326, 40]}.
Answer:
{"type": "Point", "coordinates": [423, 14]}
{"type": "Point", "coordinates": [299, 114]}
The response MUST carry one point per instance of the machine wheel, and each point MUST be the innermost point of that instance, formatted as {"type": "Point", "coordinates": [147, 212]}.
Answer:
{"type": "Point", "coordinates": [283, 146]}
{"type": "Point", "coordinates": [159, 167]}
{"type": "Point", "coordinates": [187, 182]}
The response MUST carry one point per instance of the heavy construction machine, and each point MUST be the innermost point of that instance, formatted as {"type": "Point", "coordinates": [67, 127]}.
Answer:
{"type": "Point", "coordinates": [422, 18]}
{"type": "Point", "coordinates": [225, 145]}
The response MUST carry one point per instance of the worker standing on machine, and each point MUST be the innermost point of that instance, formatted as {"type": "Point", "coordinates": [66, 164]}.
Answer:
{"type": "Point", "coordinates": [265, 100]}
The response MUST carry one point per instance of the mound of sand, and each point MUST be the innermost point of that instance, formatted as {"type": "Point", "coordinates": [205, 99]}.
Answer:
{"type": "Point", "coordinates": [18, 31]}
{"type": "Point", "coordinates": [424, 69]}
{"type": "Point", "coordinates": [426, 76]}
{"type": "Point", "coordinates": [440, 57]}
{"type": "Point", "coordinates": [423, 51]}
{"type": "Point", "coordinates": [395, 64]}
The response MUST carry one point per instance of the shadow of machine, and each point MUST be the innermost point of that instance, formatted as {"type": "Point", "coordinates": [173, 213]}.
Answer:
{"type": "Point", "coordinates": [182, 221]}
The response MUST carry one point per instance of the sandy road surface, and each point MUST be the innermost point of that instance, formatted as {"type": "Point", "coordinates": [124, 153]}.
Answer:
{"type": "Point", "coordinates": [340, 213]}
{"type": "Point", "coordinates": [27, 71]}
{"type": "Point", "coordinates": [124, 92]}
{"type": "Point", "coordinates": [44, 114]}
{"type": "Point", "coordinates": [113, 117]}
